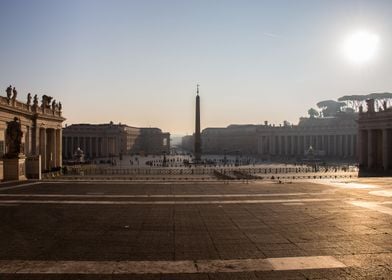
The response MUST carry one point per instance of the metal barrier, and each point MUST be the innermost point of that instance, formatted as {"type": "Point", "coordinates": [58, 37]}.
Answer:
{"type": "Point", "coordinates": [221, 173]}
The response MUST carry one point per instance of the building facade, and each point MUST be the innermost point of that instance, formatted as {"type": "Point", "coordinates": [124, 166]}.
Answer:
{"type": "Point", "coordinates": [375, 141]}
{"type": "Point", "coordinates": [41, 123]}
{"type": "Point", "coordinates": [230, 140]}
{"type": "Point", "coordinates": [107, 140]}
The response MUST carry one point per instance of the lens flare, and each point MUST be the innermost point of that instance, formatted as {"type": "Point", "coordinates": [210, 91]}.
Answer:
{"type": "Point", "coordinates": [361, 46]}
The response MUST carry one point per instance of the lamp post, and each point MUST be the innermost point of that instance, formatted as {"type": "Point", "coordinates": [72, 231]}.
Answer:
{"type": "Point", "coordinates": [236, 158]}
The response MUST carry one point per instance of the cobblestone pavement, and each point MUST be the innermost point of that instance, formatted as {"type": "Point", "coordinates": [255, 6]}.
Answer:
{"type": "Point", "coordinates": [314, 229]}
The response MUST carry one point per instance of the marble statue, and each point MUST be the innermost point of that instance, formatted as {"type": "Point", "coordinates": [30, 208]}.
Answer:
{"type": "Point", "coordinates": [13, 136]}
{"type": "Point", "coordinates": [15, 94]}
{"type": "Point", "coordinates": [29, 99]}
{"type": "Point", "coordinates": [35, 101]}
{"type": "Point", "coordinates": [9, 92]}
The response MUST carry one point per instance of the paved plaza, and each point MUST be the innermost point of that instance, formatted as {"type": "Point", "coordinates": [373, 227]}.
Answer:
{"type": "Point", "coordinates": [314, 229]}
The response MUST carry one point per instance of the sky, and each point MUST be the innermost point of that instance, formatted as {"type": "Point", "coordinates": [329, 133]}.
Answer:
{"type": "Point", "coordinates": [138, 62]}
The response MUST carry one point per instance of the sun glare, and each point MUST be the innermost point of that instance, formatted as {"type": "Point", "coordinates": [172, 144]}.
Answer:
{"type": "Point", "coordinates": [361, 46]}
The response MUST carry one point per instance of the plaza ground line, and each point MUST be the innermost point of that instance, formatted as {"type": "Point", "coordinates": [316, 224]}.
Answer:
{"type": "Point", "coordinates": [168, 267]}
{"type": "Point", "coordinates": [101, 195]}
{"type": "Point", "coordinates": [372, 206]}
{"type": "Point", "coordinates": [19, 186]}
{"type": "Point", "coordinates": [172, 202]}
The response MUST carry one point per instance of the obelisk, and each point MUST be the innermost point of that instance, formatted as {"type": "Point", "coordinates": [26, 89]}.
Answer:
{"type": "Point", "coordinates": [197, 151]}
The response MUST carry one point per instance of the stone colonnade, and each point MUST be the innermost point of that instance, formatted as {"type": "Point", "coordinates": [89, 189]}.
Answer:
{"type": "Point", "coordinates": [344, 145]}
{"type": "Point", "coordinates": [47, 142]}
{"type": "Point", "coordinates": [375, 148]}
{"type": "Point", "coordinates": [107, 140]}
{"type": "Point", "coordinates": [92, 146]}
{"type": "Point", "coordinates": [41, 123]}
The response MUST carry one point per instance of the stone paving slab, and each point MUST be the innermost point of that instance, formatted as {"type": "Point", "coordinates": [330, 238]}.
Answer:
{"type": "Point", "coordinates": [273, 226]}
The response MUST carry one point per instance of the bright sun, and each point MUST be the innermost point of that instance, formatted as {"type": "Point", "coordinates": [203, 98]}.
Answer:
{"type": "Point", "coordinates": [361, 46]}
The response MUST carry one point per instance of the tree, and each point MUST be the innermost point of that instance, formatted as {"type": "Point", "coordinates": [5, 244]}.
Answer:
{"type": "Point", "coordinates": [330, 108]}
{"type": "Point", "coordinates": [313, 113]}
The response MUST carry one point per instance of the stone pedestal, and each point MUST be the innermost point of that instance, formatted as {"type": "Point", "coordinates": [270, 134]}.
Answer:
{"type": "Point", "coordinates": [33, 167]}
{"type": "Point", "coordinates": [14, 168]}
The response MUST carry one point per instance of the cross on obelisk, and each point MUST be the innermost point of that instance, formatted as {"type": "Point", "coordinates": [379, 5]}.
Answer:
{"type": "Point", "coordinates": [197, 151]}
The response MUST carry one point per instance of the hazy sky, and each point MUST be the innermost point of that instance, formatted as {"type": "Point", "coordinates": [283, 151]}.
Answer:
{"type": "Point", "coordinates": [138, 62]}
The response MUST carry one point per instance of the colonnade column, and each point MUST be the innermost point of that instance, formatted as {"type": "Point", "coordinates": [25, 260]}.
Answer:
{"type": "Point", "coordinates": [271, 146]}
{"type": "Point", "coordinates": [72, 146]}
{"type": "Point", "coordinates": [326, 145]}
{"type": "Point", "coordinates": [299, 149]}
{"type": "Point", "coordinates": [91, 147]}
{"type": "Point", "coordinates": [105, 146]}
{"type": "Point", "coordinates": [386, 152]}
{"type": "Point", "coordinates": [370, 148]}
{"type": "Point", "coordinates": [27, 143]}
{"type": "Point", "coordinates": [279, 143]}
{"type": "Point", "coordinates": [50, 147]}
{"type": "Point", "coordinates": [65, 147]}
{"type": "Point", "coordinates": [97, 146]}
{"type": "Point", "coordinates": [54, 148]}
{"type": "Point", "coordinates": [286, 145]}
{"type": "Point", "coordinates": [340, 145]}
{"type": "Point", "coordinates": [292, 144]}
{"type": "Point", "coordinates": [362, 147]}
{"type": "Point", "coordinates": [82, 144]}
{"type": "Point", "coordinates": [42, 147]}
{"type": "Point", "coordinates": [335, 145]}
{"type": "Point", "coordinates": [320, 139]}
{"type": "Point", "coordinates": [35, 143]}
{"type": "Point", "coordinates": [260, 145]}
{"type": "Point", "coordinates": [352, 151]}
{"type": "Point", "coordinates": [59, 146]}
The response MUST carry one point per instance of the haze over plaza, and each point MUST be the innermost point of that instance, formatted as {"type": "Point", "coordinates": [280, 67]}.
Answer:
{"type": "Point", "coordinates": [138, 62]}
